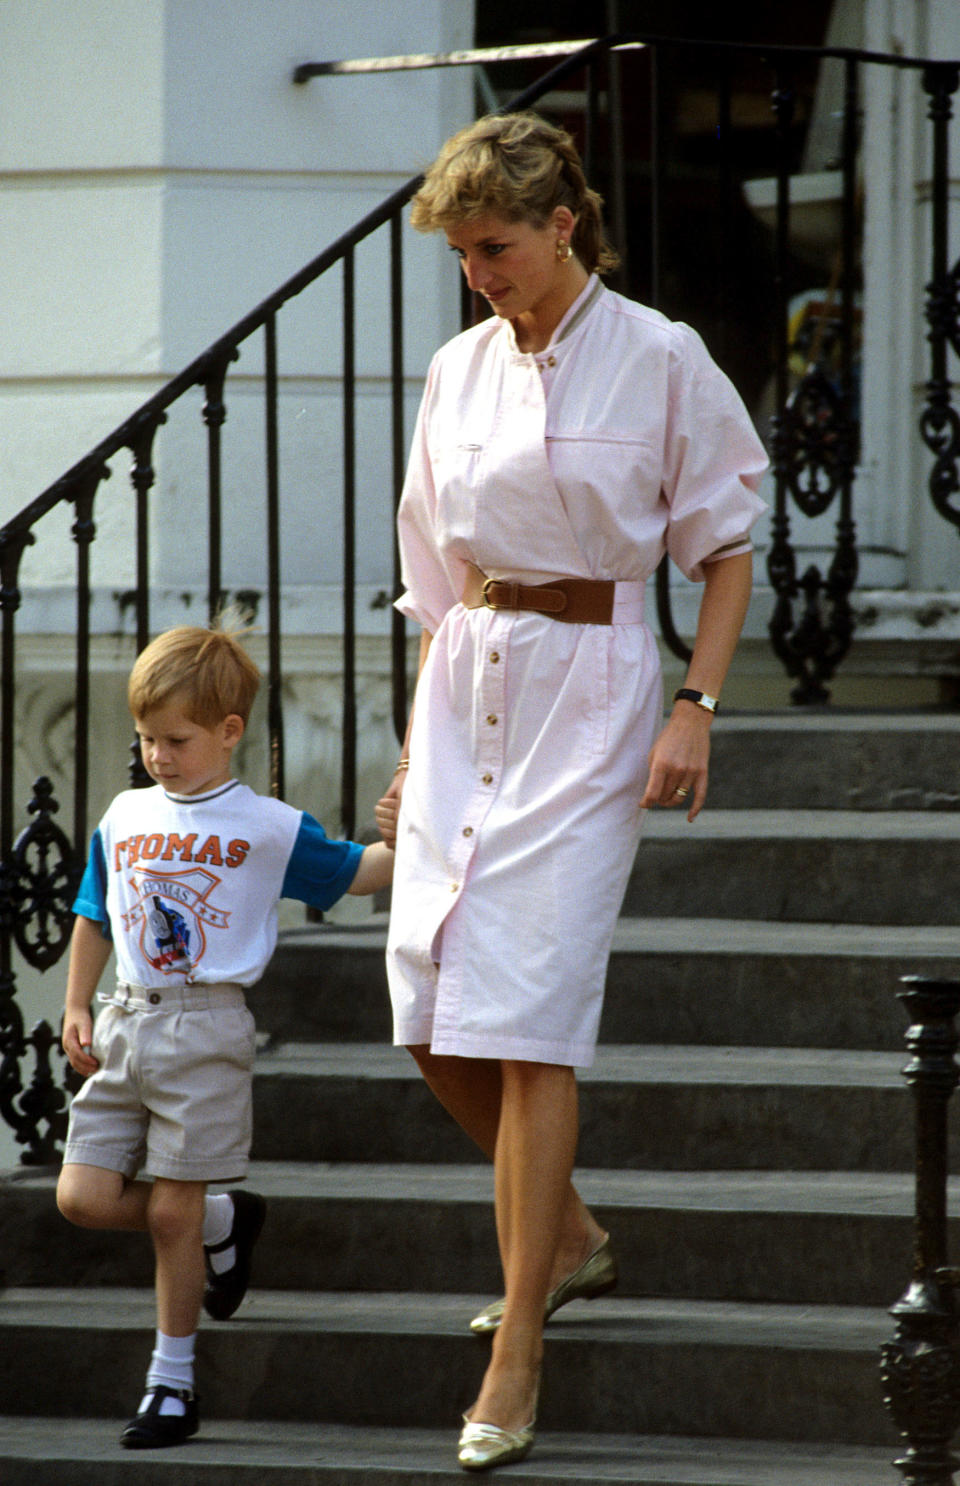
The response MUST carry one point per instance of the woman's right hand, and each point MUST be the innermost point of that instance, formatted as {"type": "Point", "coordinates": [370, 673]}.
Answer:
{"type": "Point", "coordinates": [386, 812]}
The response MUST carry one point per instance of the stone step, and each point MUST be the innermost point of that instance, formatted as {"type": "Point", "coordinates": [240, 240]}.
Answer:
{"type": "Point", "coordinates": [653, 1107]}
{"type": "Point", "coordinates": [258, 1452]}
{"type": "Point", "coordinates": [810, 1373]}
{"type": "Point", "coordinates": [841, 1238]}
{"type": "Point", "coordinates": [841, 866]}
{"type": "Point", "coordinates": [752, 983]}
{"type": "Point", "coordinates": [835, 760]}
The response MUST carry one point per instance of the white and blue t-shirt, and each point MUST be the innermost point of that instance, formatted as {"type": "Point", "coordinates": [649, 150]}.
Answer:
{"type": "Point", "coordinates": [187, 886]}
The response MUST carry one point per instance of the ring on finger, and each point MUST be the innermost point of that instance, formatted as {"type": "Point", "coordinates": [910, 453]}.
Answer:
{"type": "Point", "coordinates": [682, 790]}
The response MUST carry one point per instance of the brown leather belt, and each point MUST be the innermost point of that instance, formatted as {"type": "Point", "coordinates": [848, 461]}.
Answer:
{"type": "Point", "coordinates": [572, 600]}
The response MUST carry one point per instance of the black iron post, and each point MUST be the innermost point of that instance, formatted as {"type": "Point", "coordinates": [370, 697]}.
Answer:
{"type": "Point", "coordinates": [920, 1368]}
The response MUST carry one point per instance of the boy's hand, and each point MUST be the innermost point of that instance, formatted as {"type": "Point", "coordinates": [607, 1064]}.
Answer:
{"type": "Point", "coordinates": [386, 812]}
{"type": "Point", "coordinates": [77, 1038]}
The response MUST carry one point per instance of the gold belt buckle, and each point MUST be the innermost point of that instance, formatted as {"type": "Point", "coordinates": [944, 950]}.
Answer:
{"type": "Point", "coordinates": [510, 601]}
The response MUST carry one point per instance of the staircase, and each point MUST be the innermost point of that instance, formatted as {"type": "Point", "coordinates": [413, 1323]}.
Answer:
{"type": "Point", "coordinates": [746, 1136]}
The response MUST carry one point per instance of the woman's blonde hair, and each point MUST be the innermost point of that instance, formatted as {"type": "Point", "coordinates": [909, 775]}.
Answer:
{"type": "Point", "coordinates": [520, 168]}
{"type": "Point", "coordinates": [206, 670]}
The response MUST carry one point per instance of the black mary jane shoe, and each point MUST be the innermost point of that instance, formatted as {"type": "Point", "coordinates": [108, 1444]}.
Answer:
{"type": "Point", "coordinates": [152, 1430]}
{"type": "Point", "coordinates": [225, 1291]}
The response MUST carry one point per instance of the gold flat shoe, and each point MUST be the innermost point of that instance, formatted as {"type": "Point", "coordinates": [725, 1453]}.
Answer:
{"type": "Point", "coordinates": [483, 1446]}
{"type": "Point", "coordinates": [596, 1275]}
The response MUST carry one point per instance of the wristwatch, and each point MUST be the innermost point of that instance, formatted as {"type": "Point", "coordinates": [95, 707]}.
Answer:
{"type": "Point", "coordinates": [686, 694]}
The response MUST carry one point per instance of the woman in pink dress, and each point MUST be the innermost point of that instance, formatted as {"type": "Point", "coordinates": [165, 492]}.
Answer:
{"type": "Point", "coordinates": [561, 447]}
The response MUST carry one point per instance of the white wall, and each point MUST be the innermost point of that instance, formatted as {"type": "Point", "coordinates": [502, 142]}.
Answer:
{"type": "Point", "coordinates": [161, 174]}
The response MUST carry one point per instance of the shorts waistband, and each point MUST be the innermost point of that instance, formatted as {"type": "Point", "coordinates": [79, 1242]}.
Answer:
{"type": "Point", "coordinates": [202, 997]}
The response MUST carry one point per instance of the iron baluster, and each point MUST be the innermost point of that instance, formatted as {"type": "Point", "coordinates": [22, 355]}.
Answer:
{"type": "Point", "coordinates": [815, 441]}
{"type": "Point", "coordinates": [591, 119]}
{"type": "Point", "coordinates": [398, 628]}
{"type": "Point", "coordinates": [940, 422]}
{"type": "Point", "coordinates": [214, 416]}
{"type": "Point", "coordinates": [84, 532]}
{"type": "Point", "coordinates": [348, 777]}
{"type": "Point", "coordinates": [39, 887]}
{"type": "Point", "coordinates": [47, 872]}
{"type": "Point", "coordinates": [142, 477]}
{"type": "Point", "coordinates": [617, 192]}
{"type": "Point", "coordinates": [844, 568]}
{"type": "Point", "coordinates": [781, 560]}
{"type": "Point", "coordinates": [920, 1368]}
{"type": "Point", "coordinates": [274, 674]}
{"type": "Point", "coordinates": [668, 629]}
{"type": "Point", "coordinates": [13, 544]}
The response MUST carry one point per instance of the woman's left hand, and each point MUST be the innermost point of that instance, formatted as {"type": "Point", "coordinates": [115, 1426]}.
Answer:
{"type": "Point", "coordinates": [678, 762]}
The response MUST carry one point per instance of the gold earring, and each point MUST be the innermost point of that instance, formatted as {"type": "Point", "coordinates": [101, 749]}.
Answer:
{"type": "Point", "coordinates": [564, 250]}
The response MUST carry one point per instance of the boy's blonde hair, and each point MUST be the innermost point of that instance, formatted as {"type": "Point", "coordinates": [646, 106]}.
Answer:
{"type": "Point", "coordinates": [518, 167]}
{"type": "Point", "coordinates": [207, 670]}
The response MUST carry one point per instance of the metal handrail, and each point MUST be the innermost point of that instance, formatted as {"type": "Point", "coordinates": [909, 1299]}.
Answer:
{"type": "Point", "coordinates": [617, 42]}
{"type": "Point", "coordinates": [471, 57]}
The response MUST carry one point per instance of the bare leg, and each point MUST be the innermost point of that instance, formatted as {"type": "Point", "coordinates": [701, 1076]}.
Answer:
{"type": "Point", "coordinates": [471, 1089]}
{"type": "Point", "coordinates": [175, 1220]}
{"type": "Point", "coordinates": [93, 1197]}
{"type": "Point", "coordinates": [536, 1145]}
{"type": "Point", "coordinates": [172, 1212]}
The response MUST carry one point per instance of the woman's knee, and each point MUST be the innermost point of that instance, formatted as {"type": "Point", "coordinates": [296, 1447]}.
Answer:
{"type": "Point", "coordinates": [550, 1077]}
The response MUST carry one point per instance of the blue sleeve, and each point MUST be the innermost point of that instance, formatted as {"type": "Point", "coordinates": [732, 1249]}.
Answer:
{"type": "Point", "coordinates": [319, 870]}
{"type": "Point", "coordinates": [91, 899]}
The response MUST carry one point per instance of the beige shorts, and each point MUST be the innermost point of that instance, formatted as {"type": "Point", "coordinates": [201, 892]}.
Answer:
{"type": "Point", "coordinates": [173, 1094]}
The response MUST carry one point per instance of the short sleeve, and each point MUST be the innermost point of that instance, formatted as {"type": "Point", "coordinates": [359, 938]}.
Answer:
{"type": "Point", "coordinates": [427, 592]}
{"type": "Point", "coordinates": [91, 899]}
{"type": "Point", "coordinates": [319, 871]}
{"type": "Point", "coordinates": [713, 461]}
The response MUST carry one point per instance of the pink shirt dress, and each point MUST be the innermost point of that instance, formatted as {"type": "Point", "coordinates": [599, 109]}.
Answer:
{"type": "Point", "coordinates": [520, 814]}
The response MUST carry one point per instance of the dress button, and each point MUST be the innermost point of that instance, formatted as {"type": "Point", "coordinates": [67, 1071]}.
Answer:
{"type": "Point", "coordinates": [454, 887]}
{"type": "Point", "coordinates": [155, 998]}
{"type": "Point", "coordinates": [468, 830]}
{"type": "Point", "coordinates": [487, 779]}
{"type": "Point", "coordinates": [494, 658]}
{"type": "Point", "coordinates": [491, 718]}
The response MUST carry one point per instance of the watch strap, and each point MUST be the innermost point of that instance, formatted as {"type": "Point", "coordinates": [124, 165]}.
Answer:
{"type": "Point", "coordinates": [687, 694]}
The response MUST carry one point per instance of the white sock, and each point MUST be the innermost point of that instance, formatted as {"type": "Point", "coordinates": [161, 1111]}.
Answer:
{"type": "Point", "coordinates": [217, 1226]}
{"type": "Point", "coordinates": [172, 1366]}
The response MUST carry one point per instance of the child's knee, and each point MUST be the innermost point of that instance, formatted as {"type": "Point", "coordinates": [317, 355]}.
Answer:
{"type": "Point", "coordinates": [77, 1197]}
{"type": "Point", "coordinates": [175, 1210]}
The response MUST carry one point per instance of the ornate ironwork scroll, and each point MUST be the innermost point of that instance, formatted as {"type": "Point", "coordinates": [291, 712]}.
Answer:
{"type": "Point", "coordinates": [37, 887]}
{"type": "Point", "coordinates": [815, 439]}
{"type": "Point", "coordinates": [940, 422]}
{"type": "Point", "coordinates": [920, 1368]}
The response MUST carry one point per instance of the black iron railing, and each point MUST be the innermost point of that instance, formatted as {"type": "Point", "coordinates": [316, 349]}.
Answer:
{"type": "Point", "coordinates": [814, 444]}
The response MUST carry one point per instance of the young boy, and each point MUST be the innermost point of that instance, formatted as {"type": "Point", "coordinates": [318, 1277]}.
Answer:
{"type": "Point", "coordinates": [182, 883]}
